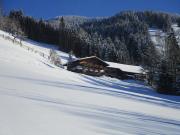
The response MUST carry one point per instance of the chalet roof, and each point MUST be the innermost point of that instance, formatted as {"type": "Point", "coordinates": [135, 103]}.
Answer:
{"type": "Point", "coordinates": [91, 58]}
{"type": "Point", "coordinates": [127, 68]}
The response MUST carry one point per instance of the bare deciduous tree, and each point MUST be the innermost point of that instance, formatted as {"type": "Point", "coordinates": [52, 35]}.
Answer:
{"type": "Point", "coordinates": [54, 58]}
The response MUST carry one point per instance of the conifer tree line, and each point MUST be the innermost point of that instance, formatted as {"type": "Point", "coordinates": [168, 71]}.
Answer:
{"type": "Point", "coordinates": [35, 29]}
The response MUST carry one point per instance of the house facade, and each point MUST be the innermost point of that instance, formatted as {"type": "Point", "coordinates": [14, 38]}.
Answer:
{"type": "Point", "coordinates": [89, 65]}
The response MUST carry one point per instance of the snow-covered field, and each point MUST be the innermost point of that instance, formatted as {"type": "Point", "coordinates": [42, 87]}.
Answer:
{"type": "Point", "coordinates": [37, 98]}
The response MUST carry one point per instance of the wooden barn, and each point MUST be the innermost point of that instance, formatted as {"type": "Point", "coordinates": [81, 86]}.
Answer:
{"type": "Point", "coordinates": [89, 65]}
{"type": "Point", "coordinates": [96, 67]}
{"type": "Point", "coordinates": [115, 73]}
{"type": "Point", "coordinates": [123, 71]}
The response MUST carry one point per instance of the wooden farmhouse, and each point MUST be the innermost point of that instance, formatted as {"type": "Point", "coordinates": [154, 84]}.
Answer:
{"type": "Point", "coordinates": [96, 67]}
{"type": "Point", "coordinates": [89, 65]}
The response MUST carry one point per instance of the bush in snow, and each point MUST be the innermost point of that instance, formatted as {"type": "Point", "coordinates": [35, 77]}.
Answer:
{"type": "Point", "coordinates": [55, 59]}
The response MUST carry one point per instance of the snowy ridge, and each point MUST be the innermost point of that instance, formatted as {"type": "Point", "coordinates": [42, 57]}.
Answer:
{"type": "Point", "coordinates": [37, 98]}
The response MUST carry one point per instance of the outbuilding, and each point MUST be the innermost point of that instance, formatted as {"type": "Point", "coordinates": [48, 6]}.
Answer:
{"type": "Point", "coordinates": [124, 71]}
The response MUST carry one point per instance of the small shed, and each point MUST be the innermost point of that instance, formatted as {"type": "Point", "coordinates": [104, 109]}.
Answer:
{"type": "Point", "coordinates": [89, 65]}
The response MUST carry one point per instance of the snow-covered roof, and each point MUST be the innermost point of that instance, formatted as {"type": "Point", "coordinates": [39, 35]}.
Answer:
{"type": "Point", "coordinates": [93, 57]}
{"type": "Point", "coordinates": [90, 57]}
{"type": "Point", "coordinates": [87, 58]}
{"type": "Point", "coordinates": [127, 68]}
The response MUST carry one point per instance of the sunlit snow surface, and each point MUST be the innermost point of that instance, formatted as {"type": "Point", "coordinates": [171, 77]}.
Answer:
{"type": "Point", "coordinates": [37, 98]}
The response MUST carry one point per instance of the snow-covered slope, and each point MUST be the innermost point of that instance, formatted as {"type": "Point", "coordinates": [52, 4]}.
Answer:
{"type": "Point", "coordinates": [42, 47]}
{"type": "Point", "coordinates": [37, 98]}
{"type": "Point", "coordinates": [158, 39]}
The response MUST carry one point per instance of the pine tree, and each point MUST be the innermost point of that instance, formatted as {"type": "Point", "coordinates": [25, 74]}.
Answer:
{"type": "Point", "coordinates": [121, 51]}
{"type": "Point", "coordinates": [1, 18]}
{"type": "Point", "coordinates": [172, 55]}
{"type": "Point", "coordinates": [62, 32]}
{"type": "Point", "coordinates": [178, 21]}
{"type": "Point", "coordinates": [164, 83]}
{"type": "Point", "coordinates": [168, 65]}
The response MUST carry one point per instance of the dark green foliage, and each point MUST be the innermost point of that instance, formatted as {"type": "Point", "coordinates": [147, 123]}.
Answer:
{"type": "Point", "coordinates": [156, 19]}
{"type": "Point", "coordinates": [165, 82]}
{"type": "Point", "coordinates": [167, 67]}
{"type": "Point", "coordinates": [131, 29]}
{"type": "Point", "coordinates": [35, 30]}
{"type": "Point", "coordinates": [178, 21]}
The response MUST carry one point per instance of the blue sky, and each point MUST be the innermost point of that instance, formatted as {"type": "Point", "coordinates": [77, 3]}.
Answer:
{"type": "Point", "coordinates": [51, 8]}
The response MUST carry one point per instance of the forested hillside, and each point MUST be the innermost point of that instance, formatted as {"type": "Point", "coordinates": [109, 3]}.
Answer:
{"type": "Point", "coordinates": [122, 38]}
{"type": "Point", "coordinates": [70, 21]}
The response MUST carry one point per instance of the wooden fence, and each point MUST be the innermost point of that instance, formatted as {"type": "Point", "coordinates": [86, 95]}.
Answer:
{"type": "Point", "coordinates": [19, 43]}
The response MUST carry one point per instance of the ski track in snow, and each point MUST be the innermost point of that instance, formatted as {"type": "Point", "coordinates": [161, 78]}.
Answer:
{"type": "Point", "coordinates": [37, 98]}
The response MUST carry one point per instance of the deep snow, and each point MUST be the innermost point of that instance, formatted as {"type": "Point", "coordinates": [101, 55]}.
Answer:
{"type": "Point", "coordinates": [37, 98]}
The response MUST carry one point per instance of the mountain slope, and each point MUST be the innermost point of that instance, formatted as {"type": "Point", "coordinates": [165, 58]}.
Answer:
{"type": "Point", "coordinates": [39, 98]}
{"type": "Point", "coordinates": [122, 38]}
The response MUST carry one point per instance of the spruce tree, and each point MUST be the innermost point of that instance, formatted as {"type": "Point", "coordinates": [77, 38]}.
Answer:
{"type": "Point", "coordinates": [168, 66]}
{"type": "Point", "coordinates": [178, 21]}
{"type": "Point", "coordinates": [62, 32]}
